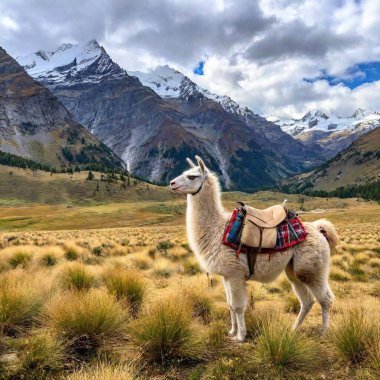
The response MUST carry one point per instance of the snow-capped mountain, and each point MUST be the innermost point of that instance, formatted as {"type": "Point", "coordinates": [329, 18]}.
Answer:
{"type": "Point", "coordinates": [172, 84]}
{"type": "Point", "coordinates": [333, 133]}
{"type": "Point", "coordinates": [71, 64]}
{"type": "Point", "coordinates": [34, 124]}
{"type": "Point", "coordinates": [155, 124]}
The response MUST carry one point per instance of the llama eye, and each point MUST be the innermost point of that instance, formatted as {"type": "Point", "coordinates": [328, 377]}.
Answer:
{"type": "Point", "coordinates": [192, 177]}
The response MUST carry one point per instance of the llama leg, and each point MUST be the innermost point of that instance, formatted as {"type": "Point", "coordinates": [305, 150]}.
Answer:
{"type": "Point", "coordinates": [325, 297]}
{"type": "Point", "coordinates": [306, 300]}
{"type": "Point", "coordinates": [233, 330]}
{"type": "Point", "coordinates": [238, 294]}
{"type": "Point", "coordinates": [303, 294]}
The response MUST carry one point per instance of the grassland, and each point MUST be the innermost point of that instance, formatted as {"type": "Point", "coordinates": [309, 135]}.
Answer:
{"type": "Point", "coordinates": [110, 290]}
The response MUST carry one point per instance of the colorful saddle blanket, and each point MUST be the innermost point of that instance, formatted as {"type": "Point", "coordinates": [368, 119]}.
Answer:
{"type": "Point", "coordinates": [290, 232]}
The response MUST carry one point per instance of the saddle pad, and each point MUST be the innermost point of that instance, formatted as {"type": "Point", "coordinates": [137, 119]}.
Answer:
{"type": "Point", "coordinates": [289, 233]}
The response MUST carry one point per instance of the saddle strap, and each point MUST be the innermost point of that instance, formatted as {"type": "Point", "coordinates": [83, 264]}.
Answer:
{"type": "Point", "coordinates": [251, 258]}
{"type": "Point", "coordinates": [261, 239]}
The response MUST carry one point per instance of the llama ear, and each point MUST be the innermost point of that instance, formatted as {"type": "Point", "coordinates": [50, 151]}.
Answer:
{"type": "Point", "coordinates": [201, 164]}
{"type": "Point", "coordinates": [191, 163]}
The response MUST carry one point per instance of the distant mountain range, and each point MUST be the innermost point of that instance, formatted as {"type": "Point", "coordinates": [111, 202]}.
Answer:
{"type": "Point", "coordinates": [330, 132]}
{"type": "Point", "coordinates": [357, 165]}
{"type": "Point", "coordinates": [153, 131]}
{"type": "Point", "coordinates": [35, 125]}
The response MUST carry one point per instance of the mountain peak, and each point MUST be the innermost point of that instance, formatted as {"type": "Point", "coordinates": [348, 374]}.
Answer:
{"type": "Point", "coordinates": [65, 46]}
{"type": "Point", "coordinates": [69, 62]}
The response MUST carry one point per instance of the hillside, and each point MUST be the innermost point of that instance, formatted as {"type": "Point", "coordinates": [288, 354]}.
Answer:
{"type": "Point", "coordinates": [153, 133]}
{"type": "Point", "coordinates": [35, 125]}
{"type": "Point", "coordinates": [358, 165]}
{"type": "Point", "coordinates": [19, 186]}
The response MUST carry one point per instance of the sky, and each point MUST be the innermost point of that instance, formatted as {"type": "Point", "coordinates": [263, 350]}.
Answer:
{"type": "Point", "coordinates": [280, 58]}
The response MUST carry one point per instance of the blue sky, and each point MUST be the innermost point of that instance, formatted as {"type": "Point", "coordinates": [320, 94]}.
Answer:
{"type": "Point", "coordinates": [198, 70]}
{"type": "Point", "coordinates": [355, 76]}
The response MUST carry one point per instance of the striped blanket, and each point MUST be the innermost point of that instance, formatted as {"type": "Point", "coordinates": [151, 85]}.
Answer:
{"type": "Point", "coordinates": [290, 232]}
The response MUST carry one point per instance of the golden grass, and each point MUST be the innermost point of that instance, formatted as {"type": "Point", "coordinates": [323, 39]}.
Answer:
{"type": "Point", "coordinates": [117, 303]}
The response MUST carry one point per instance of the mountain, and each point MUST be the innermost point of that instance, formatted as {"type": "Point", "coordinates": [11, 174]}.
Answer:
{"type": "Point", "coordinates": [331, 132]}
{"type": "Point", "coordinates": [35, 125]}
{"type": "Point", "coordinates": [357, 165]}
{"type": "Point", "coordinates": [154, 132]}
{"type": "Point", "coordinates": [172, 85]}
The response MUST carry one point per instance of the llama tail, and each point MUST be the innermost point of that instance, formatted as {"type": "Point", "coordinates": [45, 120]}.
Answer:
{"type": "Point", "coordinates": [327, 229]}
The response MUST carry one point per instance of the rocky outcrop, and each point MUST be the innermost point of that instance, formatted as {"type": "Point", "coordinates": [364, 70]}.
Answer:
{"type": "Point", "coordinates": [34, 124]}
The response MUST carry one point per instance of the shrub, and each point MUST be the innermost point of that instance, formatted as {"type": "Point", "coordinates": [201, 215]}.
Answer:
{"type": "Point", "coordinates": [292, 304]}
{"type": "Point", "coordinates": [255, 319]}
{"type": "Point", "coordinates": [352, 334]}
{"type": "Point", "coordinates": [19, 304]}
{"type": "Point", "coordinates": [374, 357]}
{"type": "Point", "coordinates": [284, 350]}
{"type": "Point", "coordinates": [88, 320]}
{"type": "Point", "coordinates": [201, 302]}
{"type": "Point", "coordinates": [77, 277]}
{"type": "Point", "coordinates": [337, 274]}
{"type": "Point", "coordinates": [375, 291]}
{"type": "Point", "coordinates": [71, 251]}
{"type": "Point", "coordinates": [374, 263]}
{"type": "Point", "coordinates": [191, 267]}
{"type": "Point", "coordinates": [102, 372]}
{"type": "Point", "coordinates": [41, 354]}
{"type": "Point", "coordinates": [152, 253]}
{"type": "Point", "coordinates": [97, 251]}
{"type": "Point", "coordinates": [140, 261]}
{"type": "Point", "coordinates": [126, 286]}
{"type": "Point", "coordinates": [357, 272]}
{"type": "Point", "coordinates": [164, 332]}
{"type": "Point", "coordinates": [20, 258]}
{"type": "Point", "coordinates": [164, 245]}
{"type": "Point", "coordinates": [49, 260]}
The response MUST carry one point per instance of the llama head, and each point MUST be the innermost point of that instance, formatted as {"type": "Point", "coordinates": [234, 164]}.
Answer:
{"type": "Point", "coordinates": [190, 181]}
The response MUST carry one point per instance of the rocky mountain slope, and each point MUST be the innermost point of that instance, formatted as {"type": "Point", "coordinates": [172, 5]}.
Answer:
{"type": "Point", "coordinates": [329, 131]}
{"type": "Point", "coordinates": [34, 124]}
{"type": "Point", "coordinates": [359, 164]}
{"type": "Point", "coordinates": [154, 133]}
{"type": "Point", "coordinates": [172, 85]}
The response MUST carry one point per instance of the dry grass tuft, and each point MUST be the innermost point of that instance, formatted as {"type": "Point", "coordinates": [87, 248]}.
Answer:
{"type": "Point", "coordinates": [201, 302]}
{"type": "Point", "coordinates": [352, 333]}
{"type": "Point", "coordinates": [128, 286]}
{"type": "Point", "coordinates": [20, 303]}
{"type": "Point", "coordinates": [103, 372]}
{"type": "Point", "coordinates": [285, 351]}
{"type": "Point", "coordinates": [41, 355]}
{"type": "Point", "coordinates": [292, 304]}
{"type": "Point", "coordinates": [88, 320]}
{"type": "Point", "coordinates": [76, 276]}
{"type": "Point", "coordinates": [164, 332]}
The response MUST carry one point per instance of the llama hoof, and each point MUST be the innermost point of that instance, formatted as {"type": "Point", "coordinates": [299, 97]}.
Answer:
{"type": "Point", "coordinates": [238, 339]}
{"type": "Point", "coordinates": [232, 333]}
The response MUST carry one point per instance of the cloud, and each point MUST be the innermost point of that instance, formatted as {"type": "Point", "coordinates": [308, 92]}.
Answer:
{"type": "Point", "coordinates": [258, 51]}
{"type": "Point", "coordinates": [296, 39]}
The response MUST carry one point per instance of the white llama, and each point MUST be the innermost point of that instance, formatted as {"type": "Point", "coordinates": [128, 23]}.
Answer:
{"type": "Point", "coordinates": [306, 264]}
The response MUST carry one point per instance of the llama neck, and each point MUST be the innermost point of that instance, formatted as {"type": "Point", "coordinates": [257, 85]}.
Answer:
{"type": "Point", "coordinates": [205, 221]}
{"type": "Point", "coordinates": [205, 208]}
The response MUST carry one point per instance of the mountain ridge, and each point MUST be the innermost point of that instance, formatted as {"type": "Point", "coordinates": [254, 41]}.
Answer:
{"type": "Point", "coordinates": [154, 135]}
{"type": "Point", "coordinates": [333, 133]}
{"type": "Point", "coordinates": [35, 125]}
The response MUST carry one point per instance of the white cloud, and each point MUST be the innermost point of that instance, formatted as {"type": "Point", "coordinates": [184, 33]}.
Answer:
{"type": "Point", "coordinates": [256, 51]}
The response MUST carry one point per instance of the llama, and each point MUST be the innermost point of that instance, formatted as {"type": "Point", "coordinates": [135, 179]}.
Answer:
{"type": "Point", "coordinates": [306, 264]}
